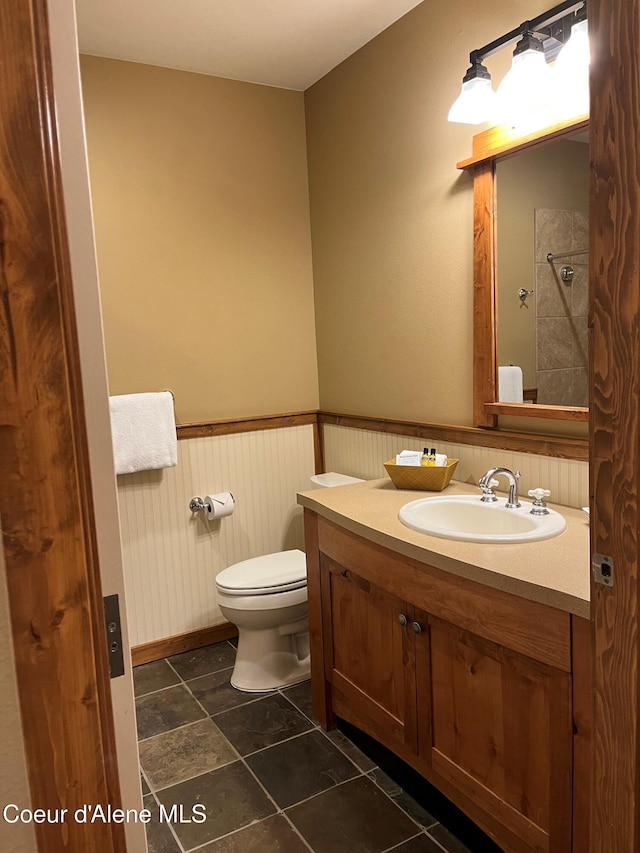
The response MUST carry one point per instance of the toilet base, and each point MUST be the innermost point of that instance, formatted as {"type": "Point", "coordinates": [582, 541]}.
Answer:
{"type": "Point", "coordinates": [269, 659]}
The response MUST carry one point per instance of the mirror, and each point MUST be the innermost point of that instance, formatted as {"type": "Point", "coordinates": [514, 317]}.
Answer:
{"type": "Point", "coordinates": [530, 312]}
{"type": "Point", "coordinates": [543, 209]}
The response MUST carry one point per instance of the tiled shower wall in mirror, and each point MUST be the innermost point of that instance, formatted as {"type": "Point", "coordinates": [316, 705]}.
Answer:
{"type": "Point", "coordinates": [561, 308]}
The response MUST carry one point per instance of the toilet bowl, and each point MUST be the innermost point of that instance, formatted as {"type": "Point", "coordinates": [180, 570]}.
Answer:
{"type": "Point", "coordinates": [266, 599]}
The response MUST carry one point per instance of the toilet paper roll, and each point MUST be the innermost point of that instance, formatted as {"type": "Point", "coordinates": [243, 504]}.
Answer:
{"type": "Point", "coordinates": [219, 506]}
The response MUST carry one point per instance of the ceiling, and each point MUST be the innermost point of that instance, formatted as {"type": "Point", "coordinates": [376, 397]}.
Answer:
{"type": "Point", "coordinates": [284, 43]}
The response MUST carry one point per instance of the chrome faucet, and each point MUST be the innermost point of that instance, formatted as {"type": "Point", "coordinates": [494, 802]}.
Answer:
{"type": "Point", "coordinates": [485, 483]}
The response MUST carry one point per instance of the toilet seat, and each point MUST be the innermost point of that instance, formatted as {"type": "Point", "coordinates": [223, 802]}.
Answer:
{"type": "Point", "coordinates": [266, 575]}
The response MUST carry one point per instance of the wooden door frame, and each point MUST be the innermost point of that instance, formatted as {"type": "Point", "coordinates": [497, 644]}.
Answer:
{"type": "Point", "coordinates": [46, 507]}
{"type": "Point", "coordinates": [614, 368]}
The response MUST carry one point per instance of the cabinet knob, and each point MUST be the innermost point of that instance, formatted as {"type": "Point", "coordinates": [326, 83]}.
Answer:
{"type": "Point", "coordinates": [402, 619]}
{"type": "Point", "coordinates": [417, 627]}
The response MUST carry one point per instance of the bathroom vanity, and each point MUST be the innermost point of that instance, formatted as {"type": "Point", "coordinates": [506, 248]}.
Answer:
{"type": "Point", "coordinates": [469, 661]}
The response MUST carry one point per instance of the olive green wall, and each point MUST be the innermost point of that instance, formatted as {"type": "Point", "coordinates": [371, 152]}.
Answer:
{"type": "Point", "coordinates": [201, 211]}
{"type": "Point", "coordinates": [201, 190]}
{"type": "Point", "coordinates": [391, 216]}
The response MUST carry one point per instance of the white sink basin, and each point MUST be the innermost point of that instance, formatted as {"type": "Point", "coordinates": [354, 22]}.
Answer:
{"type": "Point", "coordinates": [467, 518]}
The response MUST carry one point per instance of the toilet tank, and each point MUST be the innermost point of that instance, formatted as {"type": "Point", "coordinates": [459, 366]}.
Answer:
{"type": "Point", "coordinates": [324, 481]}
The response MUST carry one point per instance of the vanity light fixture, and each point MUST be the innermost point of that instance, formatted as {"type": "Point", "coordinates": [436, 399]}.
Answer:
{"type": "Point", "coordinates": [525, 93]}
{"type": "Point", "coordinates": [527, 96]}
{"type": "Point", "coordinates": [571, 69]}
{"type": "Point", "coordinates": [476, 102]}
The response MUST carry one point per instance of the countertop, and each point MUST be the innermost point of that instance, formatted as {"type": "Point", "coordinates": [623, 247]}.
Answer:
{"type": "Point", "coordinates": [551, 571]}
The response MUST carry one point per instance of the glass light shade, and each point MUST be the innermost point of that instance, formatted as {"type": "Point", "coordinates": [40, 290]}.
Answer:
{"type": "Point", "coordinates": [475, 104]}
{"type": "Point", "coordinates": [524, 95]}
{"type": "Point", "coordinates": [571, 74]}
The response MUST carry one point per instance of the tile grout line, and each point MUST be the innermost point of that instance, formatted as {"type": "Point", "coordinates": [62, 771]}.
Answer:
{"type": "Point", "coordinates": [326, 790]}
{"type": "Point", "coordinates": [297, 831]}
{"type": "Point", "coordinates": [202, 675]}
{"type": "Point", "coordinates": [144, 776]}
{"type": "Point", "coordinates": [195, 775]}
{"type": "Point", "coordinates": [400, 843]}
{"type": "Point", "coordinates": [206, 717]}
{"type": "Point", "coordinates": [423, 829]}
{"type": "Point", "coordinates": [272, 800]}
{"type": "Point", "coordinates": [253, 775]}
{"type": "Point", "coordinates": [181, 680]}
{"type": "Point", "coordinates": [210, 717]}
{"type": "Point", "coordinates": [283, 693]}
{"type": "Point", "coordinates": [437, 843]}
{"type": "Point", "coordinates": [174, 729]}
{"type": "Point", "coordinates": [207, 714]}
{"type": "Point", "coordinates": [420, 826]}
{"type": "Point", "coordinates": [159, 690]}
{"type": "Point", "coordinates": [181, 849]}
{"type": "Point", "coordinates": [246, 766]}
{"type": "Point", "coordinates": [241, 828]}
{"type": "Point", "coordinates": [314, 727]}
{"type": "Point", "coordinates": [278, 743]}
{"type": "Point", "coordinates": [364, 772]}
{"type": "Point", "coordinates": [241, 705]}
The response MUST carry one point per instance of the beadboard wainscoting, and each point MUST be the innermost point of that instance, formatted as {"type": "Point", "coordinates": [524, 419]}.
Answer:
{"type": "Point", "coordinates": [362, 452]}
{"type": "Point", "coordinates": [171, 556]}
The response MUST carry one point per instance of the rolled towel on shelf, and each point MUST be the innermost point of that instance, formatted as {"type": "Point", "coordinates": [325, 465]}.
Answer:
{"type": "Point", "coordinates": [510, 384]}
{"type": "Point", "coordinates": [143, 429]}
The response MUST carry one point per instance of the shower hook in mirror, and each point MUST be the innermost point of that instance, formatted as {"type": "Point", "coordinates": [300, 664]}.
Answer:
{"type": "Point", "coordinates": [522, 296]}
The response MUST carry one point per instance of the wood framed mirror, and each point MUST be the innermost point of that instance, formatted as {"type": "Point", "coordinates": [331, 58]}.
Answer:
{"type": "Point", "coordinates": [566, 383]}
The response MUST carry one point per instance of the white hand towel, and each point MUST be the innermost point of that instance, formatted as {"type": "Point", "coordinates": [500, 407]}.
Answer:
{"type": "Point", "coordinates": [510, 384]}
{"type": "Point", "coordinates": [143, 428]}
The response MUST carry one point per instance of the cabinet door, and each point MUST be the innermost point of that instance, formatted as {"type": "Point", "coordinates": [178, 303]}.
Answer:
{"type": "Point", "coordinates": [369, 655]}
{"type": "Point", "coordinates": [501, 732]}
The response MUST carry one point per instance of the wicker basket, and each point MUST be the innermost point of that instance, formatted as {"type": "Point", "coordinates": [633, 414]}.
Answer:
{"type": "Point", "coordinates": [421, 477]}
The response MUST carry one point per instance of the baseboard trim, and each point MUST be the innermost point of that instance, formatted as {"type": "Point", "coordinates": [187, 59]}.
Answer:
{"type": "Point", "coordinates": [158, 649]}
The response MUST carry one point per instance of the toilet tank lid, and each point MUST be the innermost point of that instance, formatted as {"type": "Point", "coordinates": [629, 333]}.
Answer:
{"type": "Point", "coordinates": [331, 478]}
{"type": "Point", "coordinates": [281, 571]}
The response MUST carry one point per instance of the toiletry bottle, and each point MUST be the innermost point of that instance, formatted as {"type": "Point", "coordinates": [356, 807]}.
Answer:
{"type": "Point", "coordinates": [425, 457]}
{"type": "Point", "coordinates": [432, 458]}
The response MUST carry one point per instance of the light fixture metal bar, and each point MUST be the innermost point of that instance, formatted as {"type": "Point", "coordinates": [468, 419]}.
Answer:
{"type": "Point", "coordinates": [545, 19]}
{"type": "Point", "coordinates": [555, 13]}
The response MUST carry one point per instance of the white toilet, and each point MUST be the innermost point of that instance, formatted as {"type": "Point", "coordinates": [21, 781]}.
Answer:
{"type": "Point", "coordinates": [266, 599]}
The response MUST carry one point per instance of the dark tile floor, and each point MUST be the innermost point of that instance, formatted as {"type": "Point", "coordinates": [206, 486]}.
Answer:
{"type": "Point", "coordinates": [264, 775]}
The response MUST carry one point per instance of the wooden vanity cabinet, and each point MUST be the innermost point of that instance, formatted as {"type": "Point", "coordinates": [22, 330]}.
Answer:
{"type": "Point", "coordinates": [468, 684]}
{"type": "Point", "coordinates": [369, 656]}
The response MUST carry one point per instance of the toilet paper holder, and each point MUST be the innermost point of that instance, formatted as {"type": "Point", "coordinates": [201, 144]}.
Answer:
{"type": "Point", "coordinates": [214, 506]}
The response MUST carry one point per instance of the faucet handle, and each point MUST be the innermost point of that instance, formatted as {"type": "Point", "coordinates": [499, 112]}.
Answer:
{"type": "Point", "coordinates": [539, 506]}
{"type": "Point", "coordinates": [487, 490]}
